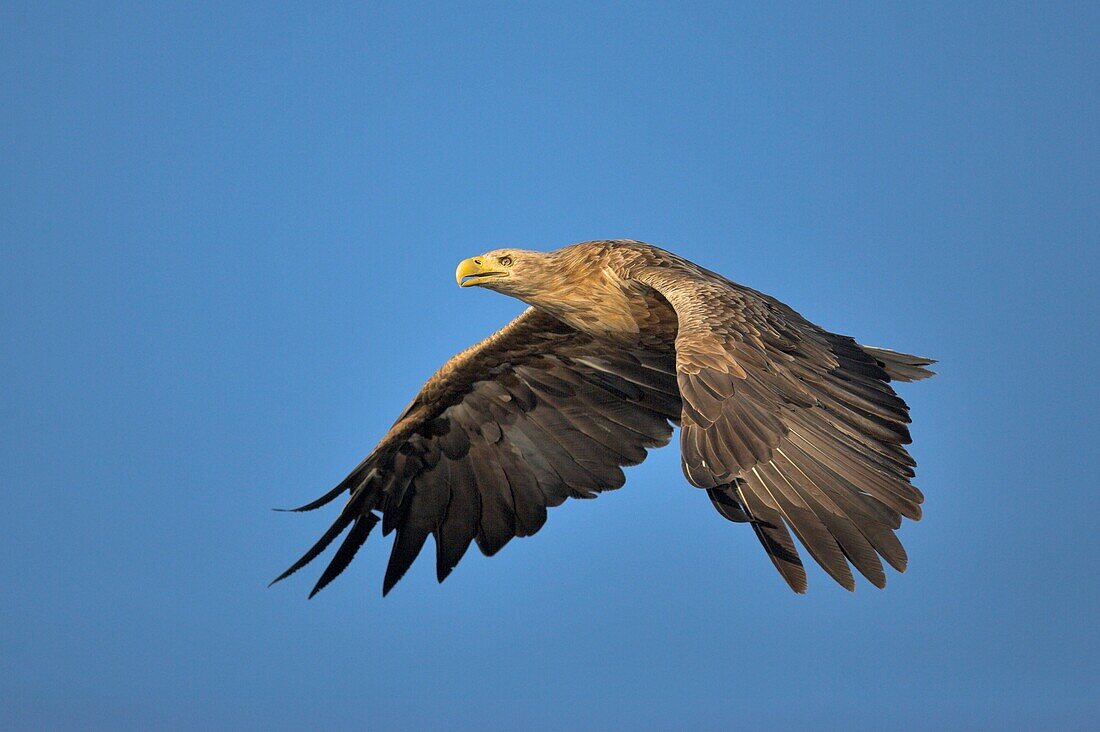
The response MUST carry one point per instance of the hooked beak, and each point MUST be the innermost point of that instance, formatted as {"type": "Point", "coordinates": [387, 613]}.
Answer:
{"type": "Point", "coordinates": [474, 271]}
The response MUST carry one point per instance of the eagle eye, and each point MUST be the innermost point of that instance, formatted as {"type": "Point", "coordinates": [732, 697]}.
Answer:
{"type": "Point", "coordinates": [506, 261]}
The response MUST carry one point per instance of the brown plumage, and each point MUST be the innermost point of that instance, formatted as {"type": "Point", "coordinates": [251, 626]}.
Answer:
{"type": "Point", "coordinates": [787, 426]}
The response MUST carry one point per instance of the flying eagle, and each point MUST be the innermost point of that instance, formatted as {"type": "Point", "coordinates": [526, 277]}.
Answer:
{"type": "Point", "coordinates": [787, 427]}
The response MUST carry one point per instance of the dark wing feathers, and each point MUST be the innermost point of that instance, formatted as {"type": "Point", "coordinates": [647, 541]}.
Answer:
{"type": "Point", "coordinates": [767, 522]}
{"type": "Point", "coordinates": [360, 530]}
{"type": "Point", "coordinates": [533, 415]}
{"type": "Point", "coordinates": [790, 426]}
{"type": "Point", "coordinates": [460, 523]}
{"type": "Point", "coordinates": [350, 512]}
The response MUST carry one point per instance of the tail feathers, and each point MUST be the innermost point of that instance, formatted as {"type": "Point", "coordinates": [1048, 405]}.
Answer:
{"type": "Point", "coordinates": [901, 366]}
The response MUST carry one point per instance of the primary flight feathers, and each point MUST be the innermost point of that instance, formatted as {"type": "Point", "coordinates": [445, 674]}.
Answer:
{"type": "Point", "coordinates": [787, 426]}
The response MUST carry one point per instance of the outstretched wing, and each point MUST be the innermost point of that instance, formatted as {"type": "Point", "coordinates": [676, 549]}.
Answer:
{"type": "Point", "coordinates": [533, 415]}
{"type": "Point", "coordinates": [788, 425]}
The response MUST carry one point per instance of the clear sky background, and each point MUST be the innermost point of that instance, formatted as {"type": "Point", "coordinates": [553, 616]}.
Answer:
{"type": "Point", "coordinates": [228, 242]}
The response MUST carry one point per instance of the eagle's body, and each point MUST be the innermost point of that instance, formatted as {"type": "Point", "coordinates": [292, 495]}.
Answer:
{"type": "Point", "coordinates": [785, 424]}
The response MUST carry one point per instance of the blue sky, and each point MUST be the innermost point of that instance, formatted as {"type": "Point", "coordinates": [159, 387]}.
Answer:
{"type": "Point", "coordinates": [227, 243]}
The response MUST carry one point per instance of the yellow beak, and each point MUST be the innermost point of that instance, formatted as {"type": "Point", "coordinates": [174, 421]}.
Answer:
{"type": "Point", "coordinates": [474, 271]}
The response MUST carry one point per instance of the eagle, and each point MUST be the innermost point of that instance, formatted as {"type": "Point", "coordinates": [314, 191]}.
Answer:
{"type": "Point", "coordinates": [788, 427]}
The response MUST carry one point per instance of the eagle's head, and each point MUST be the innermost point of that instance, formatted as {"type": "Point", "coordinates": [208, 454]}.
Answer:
{"type": "Point", "coordinates": [517, 272]}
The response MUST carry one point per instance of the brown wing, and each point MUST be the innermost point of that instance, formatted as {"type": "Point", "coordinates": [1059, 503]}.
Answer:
{"type": "Point", "coordinates": [786, 424]}
{"type": "Point", "coordinates": [529, 417]}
